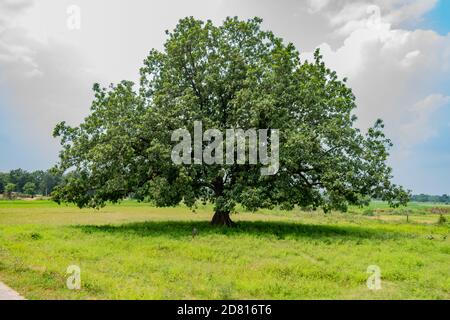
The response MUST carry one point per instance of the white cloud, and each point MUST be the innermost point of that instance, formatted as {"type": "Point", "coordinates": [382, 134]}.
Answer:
{"type": "Point", "coordinates": [410, 58]}
{"type": "Point", "coordinates": [347, 13]}
{"type": "Point", "coordinates": [317, 5]}
{"type": "Point", "coordinates": [390, 70]}
{"type": "Point", "coordinates": [410, 10]}
{"type": "Point", "coordinates": [419, 128]}
{"type": "Point", "coordinates": [43, 82]}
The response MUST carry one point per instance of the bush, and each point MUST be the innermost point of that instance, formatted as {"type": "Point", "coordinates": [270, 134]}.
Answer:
{"type": "Point", "coordinates": [442, 219]}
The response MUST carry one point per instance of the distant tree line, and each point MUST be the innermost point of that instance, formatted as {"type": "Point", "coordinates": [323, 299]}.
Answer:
{"type": "Point", "coordinates": [429, 198]}
{"type": "Point", "coordinates": [29, 183]}
{"type": "Point", "coordinates": [43, 182]}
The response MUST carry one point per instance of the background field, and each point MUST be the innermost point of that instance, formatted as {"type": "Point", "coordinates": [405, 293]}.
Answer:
{"type": "Point", "coordinates": [135, 251]}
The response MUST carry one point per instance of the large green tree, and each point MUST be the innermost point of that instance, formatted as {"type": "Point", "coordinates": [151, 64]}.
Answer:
{"type": "Point", "coordinates": [231, 76]}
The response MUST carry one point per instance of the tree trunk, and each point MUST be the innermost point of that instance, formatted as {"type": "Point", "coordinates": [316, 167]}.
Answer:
{"type": "Point", "coordinates": [222, 218]}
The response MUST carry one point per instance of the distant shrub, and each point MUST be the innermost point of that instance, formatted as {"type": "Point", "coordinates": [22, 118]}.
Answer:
{"type": "Point", "coordinates": [442, 219]}
{"type": "Point", "coordinates": [36, 236]}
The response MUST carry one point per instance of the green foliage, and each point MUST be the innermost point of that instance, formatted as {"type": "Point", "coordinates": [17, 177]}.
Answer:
{"type": "Point", "coordinates": [44, 181]}
{"type": "Point", "coordinates": [19, 177]}
{"type": "Point", "coordinates": [9, 189]}
{"type": "Point", "coordinates": [230, 76]}
{"type": "Point", "coordinates": [3, 182]}
{"type": "Point", "coordinates": [429, 198]}
{"type": "Point", "coordinates": [442, 219]}
{"type": "Point", "coordinates": [29, 189]}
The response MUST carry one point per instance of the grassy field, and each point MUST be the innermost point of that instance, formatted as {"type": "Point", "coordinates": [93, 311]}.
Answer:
{"type": "Point", "coordinates": [135, 251]}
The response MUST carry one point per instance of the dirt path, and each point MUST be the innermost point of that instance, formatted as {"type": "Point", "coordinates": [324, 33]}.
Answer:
{"type": "Point", "coordinates": [6, 293]}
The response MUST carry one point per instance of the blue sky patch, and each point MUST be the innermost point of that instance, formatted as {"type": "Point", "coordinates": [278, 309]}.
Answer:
{"type": "Point", "coordinates": [439, 18]}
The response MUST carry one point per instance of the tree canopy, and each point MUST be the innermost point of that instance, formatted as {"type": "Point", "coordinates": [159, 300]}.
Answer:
{"type": "Point", "coordinates": [30, 189]}
{"type": "Point", "coordinates": [9, 189]}
{"type": "Point", "coordinates": [445, 198]}
{"type": "Point", "coordinates": [235, 75]}
{"type": "Point", "coordinates": [44, 181]}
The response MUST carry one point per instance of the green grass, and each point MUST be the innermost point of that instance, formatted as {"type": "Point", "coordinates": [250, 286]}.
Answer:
{"type": "Point", "coordinates": [135, 251]}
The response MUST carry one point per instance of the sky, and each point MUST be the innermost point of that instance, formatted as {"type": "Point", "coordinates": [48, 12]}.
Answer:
{"type": "Point", "coordinates": [395, 54]}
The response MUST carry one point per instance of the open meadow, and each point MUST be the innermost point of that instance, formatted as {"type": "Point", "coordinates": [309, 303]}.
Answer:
{"type": "Point", "coordinates": [136, 251]}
